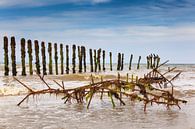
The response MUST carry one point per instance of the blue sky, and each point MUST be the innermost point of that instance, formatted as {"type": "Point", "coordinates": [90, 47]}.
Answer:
{"type": "Point", "coordinates": [140, 27]}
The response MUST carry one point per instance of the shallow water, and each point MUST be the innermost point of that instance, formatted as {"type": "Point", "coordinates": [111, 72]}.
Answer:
{"type": "Point", "coordinates": [49, 112]}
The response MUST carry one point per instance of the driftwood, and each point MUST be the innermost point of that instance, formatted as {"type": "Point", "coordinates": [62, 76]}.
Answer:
{"type": "Point", "coordinates": [116, 89]}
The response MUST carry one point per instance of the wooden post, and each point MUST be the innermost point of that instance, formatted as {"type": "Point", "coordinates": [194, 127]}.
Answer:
{"type": "Point", "coordinates": [73, 58]}
{"type": "Point", "coordinates": [23, 54]}
{"type": "Point", "coordinates": [99, 60]}
{"type": "Point", "coordinates": [122, 61]}
{"type": "Point", "coordinates": [67, 59]}
{"type": "Point", "coordinates": [91, 59]}
{"type": "Point", "coordinates": [154, 61]}
{"type": "Point", "coordinates": [138, 64]}
{"type": "Point", "coordinates": [30, 57]}
{"type": "Point", "coordinates": [80, 59]}
{"type": "Point", "coordinates": [37, 57]}
{"type": "Point", "coordinates": [95, 60]}
{"type": "Point", "coordinates": [130, 61]}
{"type": "Point", "coordinates": [103, 60]}
{"type": "Point", "coordinates": [151, 58]}
{"type": "Point", "coordinates": [119, 61]}
{"type": "Point", "coordinates": [158, 61]}
{"type": "Point", "coordinates": [13, 56]}
{"type": "Point", "coordinates": [110, 61]}
{"type": "Point", "coordinates": [50, 58]}
{"type": "Point", "coordinates": [62, 58]}
{"type": "Point", "coordinates": [83, 54]}
{"type": "Point", "coordinates": [6, 58]}
{"type": "Point", "coordinates": [148, 62]}
{"type": "Point", "coordinates": [85, 64]}
{"type": "Point", "coordinates": [43, 58]}
{"type": "Point", "coordinates": [56, 57]}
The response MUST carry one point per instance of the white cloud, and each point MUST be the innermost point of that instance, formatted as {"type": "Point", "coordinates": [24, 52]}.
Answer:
{"type": "Point", "coordinates": [29, 3]}
{"type": "Point", "coordinates": [170, 42]}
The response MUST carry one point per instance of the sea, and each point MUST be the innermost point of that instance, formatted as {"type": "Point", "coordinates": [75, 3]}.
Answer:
{"type": "Point", "coordinates": [48, 111]}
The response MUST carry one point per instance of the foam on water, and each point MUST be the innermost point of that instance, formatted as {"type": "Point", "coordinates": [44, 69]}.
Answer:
{"type": "Point", "coordinates": [8, 86]}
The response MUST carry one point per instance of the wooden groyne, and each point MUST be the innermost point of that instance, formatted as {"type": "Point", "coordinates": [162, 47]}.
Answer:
{"type": "Point", "coordinates": [47, 55]}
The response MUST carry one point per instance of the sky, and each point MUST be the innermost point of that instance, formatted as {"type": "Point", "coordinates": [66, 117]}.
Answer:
{"type": "Point", "coordinates": [139, 27]}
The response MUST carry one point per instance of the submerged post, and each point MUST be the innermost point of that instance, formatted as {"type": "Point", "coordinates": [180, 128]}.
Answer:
{"type": "Point", "coordinates": [62, 58]}
{"type": "Point", "coordinates": [122, 62]}
{"type": "Point", "coordinates": [37, 57]}
{"type": "Point", "coordinates": [138, 64]}
{"type": "Point", "coordinates": [67, 59]}
{"type": "Point", "coordinates": [43, 58]}
{"type": "Point", "coordinates": [6, 58]}
{"type": "Point", "coordinates": [56, 57]}
{"type": "Point", "coordinates": [13, 56]}
{"type": "Point", "coordinates": [95, 60]}
{"type": "Point", "coordinates": [50, 58]}
{"type": "Point", "coordinates": [110, 61]}
{"type": "Point", "coordinates": [91, 60]}
{"type": "Point", "coordinates": [30, 57]}
{"type": "Point", "coordinates": [73, 58]}
{"type": "Point", "coordinates": [130, 61]}
{"type": "Point", "coordinates": [23, 54]}
{"type": "Point", "coordinates": [103, 60]}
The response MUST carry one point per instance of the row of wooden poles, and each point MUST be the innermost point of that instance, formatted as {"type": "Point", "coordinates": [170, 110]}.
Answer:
{"type": "Point", "coordinates": [95, 58]}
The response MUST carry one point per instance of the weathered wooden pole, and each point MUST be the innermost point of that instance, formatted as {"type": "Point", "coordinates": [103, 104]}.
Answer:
{"type": "Point", "coordinates": [13, 56]}
{"type": "Point", "coordinates": [110, 61]}
{"type": "Point", "coordinates": [99, 59]}
{"type": "Point", "coordinates": [122, 62]}
{"type": "Point", "coordinates": [119, 62]}
{"type": "Point", "coordinates": [23, 54]}
{"type": "Point", "coordinates": [151, 58]}
{"type": "Point", "coordinates": [80, 59]}
{"type": "Point", "coordinates": [148, 62]}
{"type": "Point", "coordinates": [67, 59]}
{"type": "Point", "coordinates": [62, 58]}
{"type": "Point", "coordinates": [103, 60]}
{"type": "Point", "coordinates": [154, 61]}
{"type": "Point", "coordinates": [43, 58]}
{"type": "Point", "coordinates": [85, 64]}
{"type": "Point", "coordinates": [56, 57]}
{"type": "Point", "coordinates": [130, 61]}
{"type": "Point", "coordinates": [83, 54]}
{"type": "Point", "coordinates": [30, 57]}
{"type": "Point", "coordinates": [138, 64]}
{"type": "Point", "coordinates": [73, 58]}
{"type": "Point", "coordinates": [50, 58]}
{"type": "Point", "coordinates": [158, 61]}
{"type": "Point", "coordinates": [6, 58]}
{"type": "Point", "coordinates": [37, 57]}
{"type": "Point", "coordinates": [91, 60]}
{"type": "Point", "coordinates": [95, 60]}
